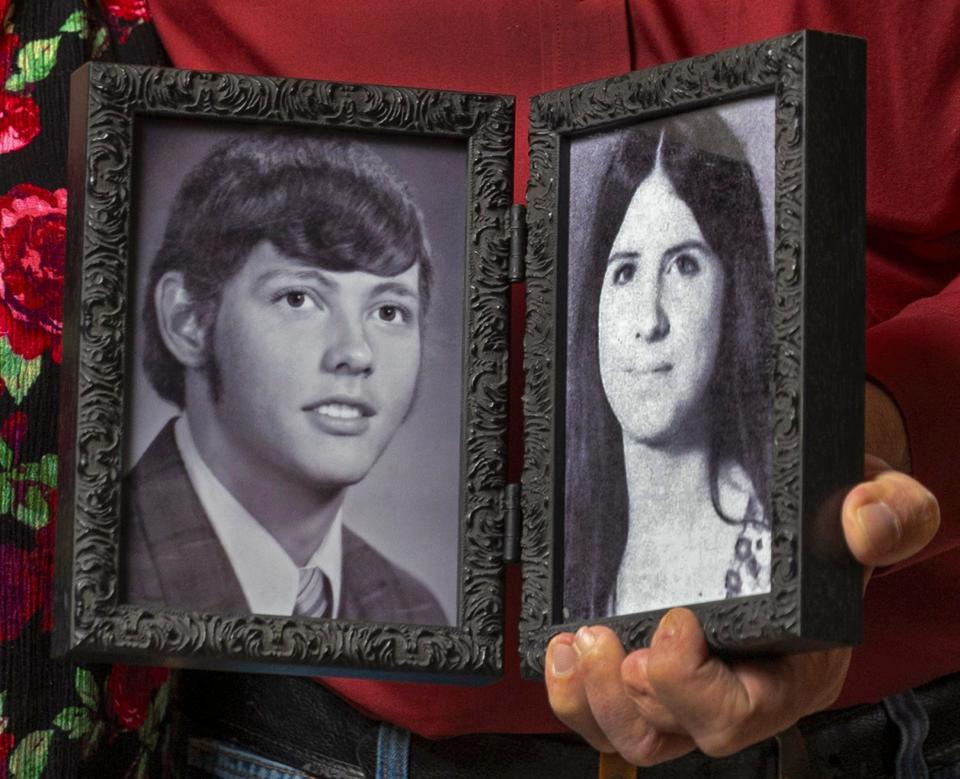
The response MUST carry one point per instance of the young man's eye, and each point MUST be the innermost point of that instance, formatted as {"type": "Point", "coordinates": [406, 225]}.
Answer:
{"type": "Point", "coordinates": [624, 274]}
{"type": "Point", "coordinates": [391, 313]}
{"type": "Point", "coordinates": [294, 298]}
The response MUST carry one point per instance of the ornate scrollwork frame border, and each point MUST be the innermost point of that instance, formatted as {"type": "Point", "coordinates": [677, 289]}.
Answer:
{"type": "Point", "coordinates": [107, 102]}
{"type": "Point", "coordinates": [818, 81]}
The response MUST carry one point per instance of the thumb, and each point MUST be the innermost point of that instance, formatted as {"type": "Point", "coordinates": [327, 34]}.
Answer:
{"type": "Point", "coordinates": [889, 518]}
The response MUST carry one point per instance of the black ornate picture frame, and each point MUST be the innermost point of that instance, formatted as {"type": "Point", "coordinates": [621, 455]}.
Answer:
{"type": "Point", "coordinates": [789, 112]}
{"type": "Point", "coordinates": [111, 104]}
{"type": "Point", "coordinates": [814, 84]}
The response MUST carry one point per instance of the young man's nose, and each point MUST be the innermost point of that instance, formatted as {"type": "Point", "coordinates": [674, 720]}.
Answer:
{"type": "Point", "coordinates": [651, 322]}
{"type": "Point", "coordinates": [348, 350]}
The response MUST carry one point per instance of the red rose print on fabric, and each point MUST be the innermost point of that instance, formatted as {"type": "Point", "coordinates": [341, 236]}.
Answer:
{"type": "Point", "coordinates": [128, 10]}
{"type": "Point", "coordinates": [28, 490]}
{"type": "Point", "coordinates": [130, 689]}
{"type": "Point", "coordinates": [9, 43]}
{"type": "Point", "coordinates": [7, 741]}
{"type": "Point", "coordinates": [32, 248]}
{"type": "Point", "coordinates": [12, 431]}
{"type": "Point", "coordinates": [125, 15]}
{"type": "Point", "coordinates": [19, 114]}
{"type": "Point", "coordinates": [19, 121]}
{"type": "Point", "coordinates": [26, 576]}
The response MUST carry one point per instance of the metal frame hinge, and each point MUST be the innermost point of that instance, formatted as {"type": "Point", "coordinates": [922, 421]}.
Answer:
{"type": "Point", "coordinates": [518, 242]}
{"type": "Point", "coordinates": [511, 524]}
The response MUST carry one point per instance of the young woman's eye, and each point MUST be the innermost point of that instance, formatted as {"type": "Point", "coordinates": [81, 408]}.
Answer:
{"type": "Point", "coordinates": [624, 274]}
{"type": "Point", "coordinates": [687, 265]}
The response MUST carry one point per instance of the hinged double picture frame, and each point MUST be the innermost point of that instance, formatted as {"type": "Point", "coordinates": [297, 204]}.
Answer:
{"type": "Point", "coordinates": [285, 379]}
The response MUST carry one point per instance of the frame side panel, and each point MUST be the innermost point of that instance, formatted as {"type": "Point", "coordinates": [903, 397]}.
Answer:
{"type": "Point", "coordinates": [67, 432]}
{"type": "Point", "coordinates": [833, 405]}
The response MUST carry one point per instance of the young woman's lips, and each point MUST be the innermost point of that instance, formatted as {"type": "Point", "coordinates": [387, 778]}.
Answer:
{"type": "Point", "coordinates": [341, 416]}
{"type": "Point", "coordinates": [648, 378]}
{"type": "Point", "coordinates": [654, 370]}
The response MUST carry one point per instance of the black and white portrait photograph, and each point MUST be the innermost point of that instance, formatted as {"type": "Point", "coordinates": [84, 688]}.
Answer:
{"type": "Point", "coordinates": [295, 358]}
{"type": "Point", "coordinates": [668, 439]}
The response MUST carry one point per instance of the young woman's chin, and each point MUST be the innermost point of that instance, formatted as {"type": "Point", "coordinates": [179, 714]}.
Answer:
{"type": "Point", "coordinates": [659, 427]}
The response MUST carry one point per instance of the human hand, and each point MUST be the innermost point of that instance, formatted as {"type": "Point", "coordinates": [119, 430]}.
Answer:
{"type": "Point", "coordinates": [660, 702]}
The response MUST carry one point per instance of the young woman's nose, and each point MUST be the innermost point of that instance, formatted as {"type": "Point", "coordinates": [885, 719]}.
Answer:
{"type": "Point", "coordinates": [651, 322]}
{"type": "Point", "coordinates": [347, 349]}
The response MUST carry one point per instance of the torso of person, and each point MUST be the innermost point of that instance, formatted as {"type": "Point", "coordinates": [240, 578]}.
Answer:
{"type": "Point", "coordinates": [682, 555]}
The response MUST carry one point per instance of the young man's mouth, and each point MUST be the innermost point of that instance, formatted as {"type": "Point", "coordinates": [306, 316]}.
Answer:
{"type": "Point", "coordinates": [341, 416]}
{"type": "Point", "coordinates": [339, 410]}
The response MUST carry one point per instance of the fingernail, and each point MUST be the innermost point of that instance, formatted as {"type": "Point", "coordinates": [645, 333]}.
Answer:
{"type": "Point", "coordinates": [881, 526]}
{"type": "Point", "coordinates": [667, 630]}
{"type": "Point", "coordinates": [564, 659]}
{"type": "Point", "coordinates": [584, 640]}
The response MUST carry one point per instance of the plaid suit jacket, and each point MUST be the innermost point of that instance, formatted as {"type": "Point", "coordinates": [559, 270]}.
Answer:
{"type": "Point", "coordinates": [170, 554]}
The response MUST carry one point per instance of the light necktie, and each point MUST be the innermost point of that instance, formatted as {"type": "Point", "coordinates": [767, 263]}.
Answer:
{"type": "Point", "coordinates": [315, 595]}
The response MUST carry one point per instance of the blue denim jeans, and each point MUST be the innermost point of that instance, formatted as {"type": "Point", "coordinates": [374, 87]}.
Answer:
{"type": "Point", "coordinates": [911, 719]}
{"type": "Point", "coordinates": [209, 758]}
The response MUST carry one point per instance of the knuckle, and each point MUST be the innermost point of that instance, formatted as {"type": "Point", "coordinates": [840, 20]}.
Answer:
{"type": "Point", "coordinates": [836, 674]}
{"type": "Point", "coordinates": [566, 711]}
{"type": "Point", "coordinates": [648, 708]}
{"type": "Point", "coordinates": [666, 670]}
{"type": "Point", "coordinates": [719, 744]}
{"type": "Point", "coordinates": [607, 647]}
{"type": "Point", "coordinates": [603, 633]}
{"type": "Point", "coordinates": [599, 742]}
{"type": "Point", "coordinates": [733, 708]}
{"type": "Point", "coordinates": [830, 695]}
{"type": "Point", "coordinates": [591, 667]}
{"type": "Point", "coordinates": [641, 758]}
{"type": "Point", "coordinates": [645, 751]}
{"type": "Point", "coordinates": [567, 706]}
{"type": "Point", "coordinates": [724, 733]}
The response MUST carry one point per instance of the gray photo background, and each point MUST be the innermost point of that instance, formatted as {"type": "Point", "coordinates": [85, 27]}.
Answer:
{"type": "Point", "coordinates": [408, 507]}
{"type": "Point", "coordinates": [752, 121]}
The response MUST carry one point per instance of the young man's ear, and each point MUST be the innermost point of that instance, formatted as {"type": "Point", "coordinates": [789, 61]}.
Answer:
{"type": "Point", "coordinates": [180, 322]}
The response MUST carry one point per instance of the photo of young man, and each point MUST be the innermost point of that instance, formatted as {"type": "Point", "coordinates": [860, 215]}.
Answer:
{"type": "Point", "coordinates": [283, 315]}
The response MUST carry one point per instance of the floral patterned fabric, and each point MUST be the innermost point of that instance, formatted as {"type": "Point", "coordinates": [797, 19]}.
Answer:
{"type": "Point", "coordinates": [57, 719]}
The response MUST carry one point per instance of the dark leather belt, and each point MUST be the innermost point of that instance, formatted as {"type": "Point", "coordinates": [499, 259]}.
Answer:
{"type": "Point", "coordinates": [300, 723]}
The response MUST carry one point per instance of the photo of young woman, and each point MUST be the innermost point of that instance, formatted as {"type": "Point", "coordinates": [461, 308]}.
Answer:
{"type": "Point", "coordinates": [668, 401]}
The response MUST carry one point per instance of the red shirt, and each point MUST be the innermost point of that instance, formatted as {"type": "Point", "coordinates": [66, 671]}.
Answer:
{"type": "Point", "coordinates": [912, 626]}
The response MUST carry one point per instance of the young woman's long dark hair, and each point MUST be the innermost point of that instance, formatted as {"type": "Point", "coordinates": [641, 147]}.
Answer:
{"type": "Point", "coordinates": [707, 167]}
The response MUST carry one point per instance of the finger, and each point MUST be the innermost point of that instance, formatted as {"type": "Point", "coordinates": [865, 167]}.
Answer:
{"type": "Point", "coordinates": [567, 695]}
{"type": "Point", "coordinates": [724, 708]}
{"type": "Point", "coordinates": [600, 658]}
{"type": "Point", "coordinates": [889, 518]}
{"type": "Point", "coordinates": [633, 672]}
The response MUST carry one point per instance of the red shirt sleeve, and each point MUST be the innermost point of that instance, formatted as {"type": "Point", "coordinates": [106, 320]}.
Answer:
{"type": "Point", "coordinates": [913, 203]}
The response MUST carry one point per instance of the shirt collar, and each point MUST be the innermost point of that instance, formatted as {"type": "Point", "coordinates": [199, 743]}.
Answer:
{"type": "Point", "coordinates": [268, 577]}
